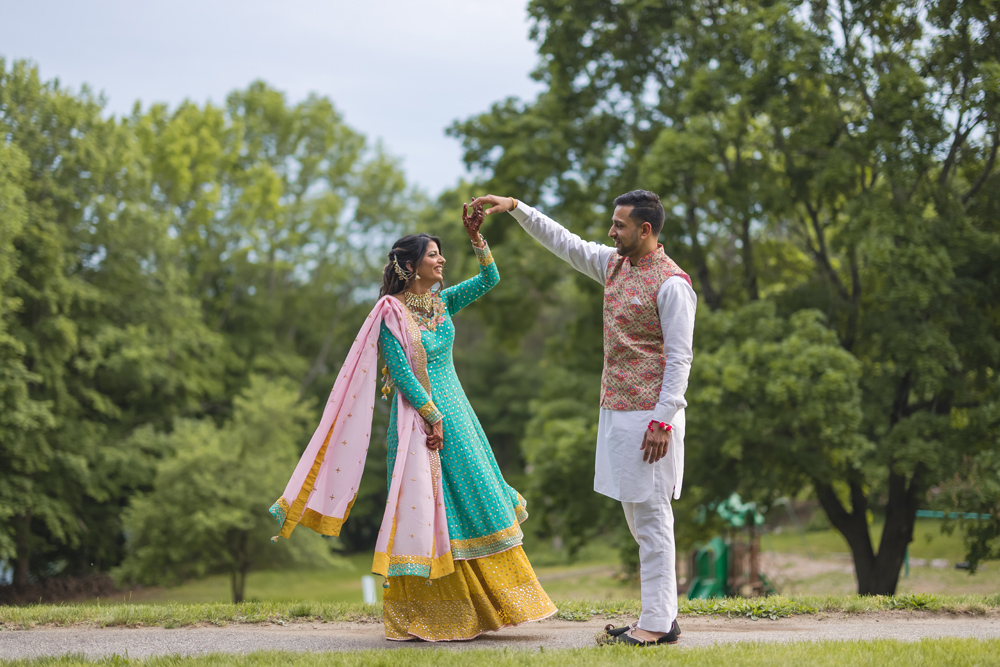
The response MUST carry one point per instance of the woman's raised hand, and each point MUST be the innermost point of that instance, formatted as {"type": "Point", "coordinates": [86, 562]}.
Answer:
{"type": "Point", "coordinates": [473, 221]}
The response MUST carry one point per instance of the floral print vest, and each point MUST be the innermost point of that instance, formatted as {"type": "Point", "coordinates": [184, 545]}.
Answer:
{"type": "Point", "coordinates": [633, 341]}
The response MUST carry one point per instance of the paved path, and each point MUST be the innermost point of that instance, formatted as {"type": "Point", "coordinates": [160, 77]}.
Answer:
{"type": "Point", "coordinates": [697, 631]}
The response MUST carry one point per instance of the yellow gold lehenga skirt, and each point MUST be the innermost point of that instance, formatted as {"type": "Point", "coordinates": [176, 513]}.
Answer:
{"type": "Point", "coordinates": [481, 595]}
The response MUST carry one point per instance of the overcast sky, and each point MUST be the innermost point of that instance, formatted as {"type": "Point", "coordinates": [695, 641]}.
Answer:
{"type": "Point", "coordinates": [398, 70]}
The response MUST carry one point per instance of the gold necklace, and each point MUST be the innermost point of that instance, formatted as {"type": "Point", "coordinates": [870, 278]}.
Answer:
{"type": "Point", "coordinates": [424, 302]}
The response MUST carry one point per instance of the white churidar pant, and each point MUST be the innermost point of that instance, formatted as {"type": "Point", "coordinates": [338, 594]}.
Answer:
{"type": "Point", "coordinates": [652, 526]}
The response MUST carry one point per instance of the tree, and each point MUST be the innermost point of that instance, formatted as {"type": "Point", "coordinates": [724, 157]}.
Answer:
{"type": "Point", "coordinates": [281, 211]}
{"type": "Point", "coordinates": [207, 510]}
{"type": "Point", "coordinates": [972, 497]}
{"type": "Point", "coordinates": [150, 265]}
{"type": "Point", "coordinates": [839, 157]}
{"type": "Point", "coordinates": [19, 413]}
{"type": "Point", "coordinates": [100, 335]}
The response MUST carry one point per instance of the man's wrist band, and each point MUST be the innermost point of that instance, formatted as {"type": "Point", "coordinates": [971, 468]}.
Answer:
{"type": "Point", "coordinates": [663, 425]}
{"type": "Point", "coordinates": [513, 203]}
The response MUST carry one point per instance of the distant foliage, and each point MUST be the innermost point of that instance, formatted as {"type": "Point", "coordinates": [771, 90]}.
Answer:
{"type": "Point", "coordinates": [207, 510]}
{"type": "Point", "coordinates": [149, 267]}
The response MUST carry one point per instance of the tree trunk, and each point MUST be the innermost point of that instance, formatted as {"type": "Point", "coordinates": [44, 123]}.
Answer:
{"type": "Point", "coordinates": [877, 574]}
{"type": "Point", "coordinates": [22, 538]}
{"type": "Point", "coordinates": [900, 515]}
{"type": "Point", "coordinates": [852, 525]}
{"type": "Point", "coordinates": [749, 270]}
{"type": "Point", "coordinates": [238, 576]}
{"type": "Point", "coordinates": [238, 579]}
{"type": "Point", "coordinates": [702, 271]}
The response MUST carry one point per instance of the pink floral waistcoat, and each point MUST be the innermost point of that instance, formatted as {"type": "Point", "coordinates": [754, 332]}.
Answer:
{"type": "Point", "coordinates": [633, 341]}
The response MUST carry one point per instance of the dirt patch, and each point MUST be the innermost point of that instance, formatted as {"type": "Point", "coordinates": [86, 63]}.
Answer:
{"type": "Point", "coordinates": [796, 566]}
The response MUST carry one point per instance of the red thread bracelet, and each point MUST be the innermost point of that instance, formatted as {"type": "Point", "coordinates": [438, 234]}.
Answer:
{"type": "Point", "coordinates": [665, 426]}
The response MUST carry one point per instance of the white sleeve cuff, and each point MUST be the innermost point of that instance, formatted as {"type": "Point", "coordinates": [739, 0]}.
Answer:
{"type": "Point", "coordinates": [521, 211]}
{"type": "Point", "coordinates": [665, 413]}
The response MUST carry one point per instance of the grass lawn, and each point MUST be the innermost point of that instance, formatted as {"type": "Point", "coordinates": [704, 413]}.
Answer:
{"type": "Point", "coordinates": [923, 579]}
{"type": "Point", "coordinates": [173, 615]}
{"type": "Point", "coordinates": [333, 585]}
{"type": "Point", "coordinates": [818, 563]}
{"type": "Point", "coordinates": [928, 541]}
{"type": "Point", "coordinates": [591, 575]}
{"type": "Point", "coordinates": [580, 580]}
{"type": "Point", "coordinates": [885, 653]}
{"type": "Point", "coordinates": [814, 563]}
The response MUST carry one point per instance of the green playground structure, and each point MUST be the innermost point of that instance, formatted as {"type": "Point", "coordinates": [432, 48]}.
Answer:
{"type": "Point", "coordinates": [731, 567]}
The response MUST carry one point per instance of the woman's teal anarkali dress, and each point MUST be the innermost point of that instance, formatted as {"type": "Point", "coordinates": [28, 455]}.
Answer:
{"type": "Point", "coordinates": [493, 585]}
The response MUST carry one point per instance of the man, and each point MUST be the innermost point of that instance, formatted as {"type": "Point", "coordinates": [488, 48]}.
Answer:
{"type": "Point", "coordinates": [649, 308]}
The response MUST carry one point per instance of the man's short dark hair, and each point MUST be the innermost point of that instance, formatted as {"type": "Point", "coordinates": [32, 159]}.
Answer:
{"type": "Point", "coordinates": [646, 207]}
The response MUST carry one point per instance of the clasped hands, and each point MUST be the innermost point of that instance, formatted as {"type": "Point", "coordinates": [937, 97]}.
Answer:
{"type": "Point", "coordinates": [497, 204]}
{"type": "Point", "coordinates": [435, 435]}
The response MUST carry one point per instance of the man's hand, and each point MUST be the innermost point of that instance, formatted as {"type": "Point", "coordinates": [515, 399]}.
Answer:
{"type": "Point", "coordinates": [496, 204]}
{"type": "Point", "coordinates": [435, 436]}
{"type": "Point", "coordinates": [655, 444]}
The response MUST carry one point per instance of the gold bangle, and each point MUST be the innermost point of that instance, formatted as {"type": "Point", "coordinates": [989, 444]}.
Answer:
{"type": "Point", "coordinates": [513, 203]}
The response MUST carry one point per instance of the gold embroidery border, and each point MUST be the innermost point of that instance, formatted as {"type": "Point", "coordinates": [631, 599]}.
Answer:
{"type": "Point", "coordinates": [430, 413]}
{"type": "Point", "coordinates": [441, 566]}
{"type": "Point", "coordinates": [283, 504]}
{"type": "Point", "coordinates": [323, 524]}
{"type": "Point", "coordinates": [299, 504]}
{"type": "Point", "coordinates": [486, 540]}
{"type": "Point", "coordinates": [483, 255]}
{"type": "Point", "coordinates": [419, 354]}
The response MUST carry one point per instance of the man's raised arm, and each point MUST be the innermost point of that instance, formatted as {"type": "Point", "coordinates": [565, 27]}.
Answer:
{"type": "Point", "coordinates": [587, 257]}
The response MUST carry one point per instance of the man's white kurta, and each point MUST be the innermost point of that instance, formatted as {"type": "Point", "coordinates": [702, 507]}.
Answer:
{"type": "Point", "coordinates": [620, 472]}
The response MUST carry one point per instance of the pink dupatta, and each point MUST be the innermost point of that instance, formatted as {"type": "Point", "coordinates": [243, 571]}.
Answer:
{"type": "Point", "coordinates": [413, 539]}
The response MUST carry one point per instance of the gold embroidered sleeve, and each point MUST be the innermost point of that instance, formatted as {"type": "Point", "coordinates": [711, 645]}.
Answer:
{"type": "Point", "coordinates": [483, 255]}
{"type": "Point", "coordinates": [430, 413]}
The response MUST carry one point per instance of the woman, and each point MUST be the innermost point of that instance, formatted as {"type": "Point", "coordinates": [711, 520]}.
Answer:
{"type": "Point", "coordinates": [450, 543]}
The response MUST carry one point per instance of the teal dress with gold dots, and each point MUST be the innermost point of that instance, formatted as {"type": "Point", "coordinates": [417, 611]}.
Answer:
{"type": "Point", "coordinates": [493, 585]}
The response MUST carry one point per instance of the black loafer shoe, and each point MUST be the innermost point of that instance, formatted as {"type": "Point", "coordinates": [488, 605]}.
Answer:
{"type": "Point", "coordinates": [614, 632]}
{"type": "Point", "coordinates": [622, 636]}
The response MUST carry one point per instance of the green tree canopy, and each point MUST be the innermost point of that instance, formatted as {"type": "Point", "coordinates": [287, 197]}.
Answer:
{"type": "Point", "coordinates": [205, 513]}
{"type": "Point", "coordinates": [149, 266]}
{"type": "Point", "coordinates": [832, 157]}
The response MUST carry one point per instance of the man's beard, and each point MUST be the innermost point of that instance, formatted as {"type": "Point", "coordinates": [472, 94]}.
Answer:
{"type": "Point", "coordinates": [624, 249]}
